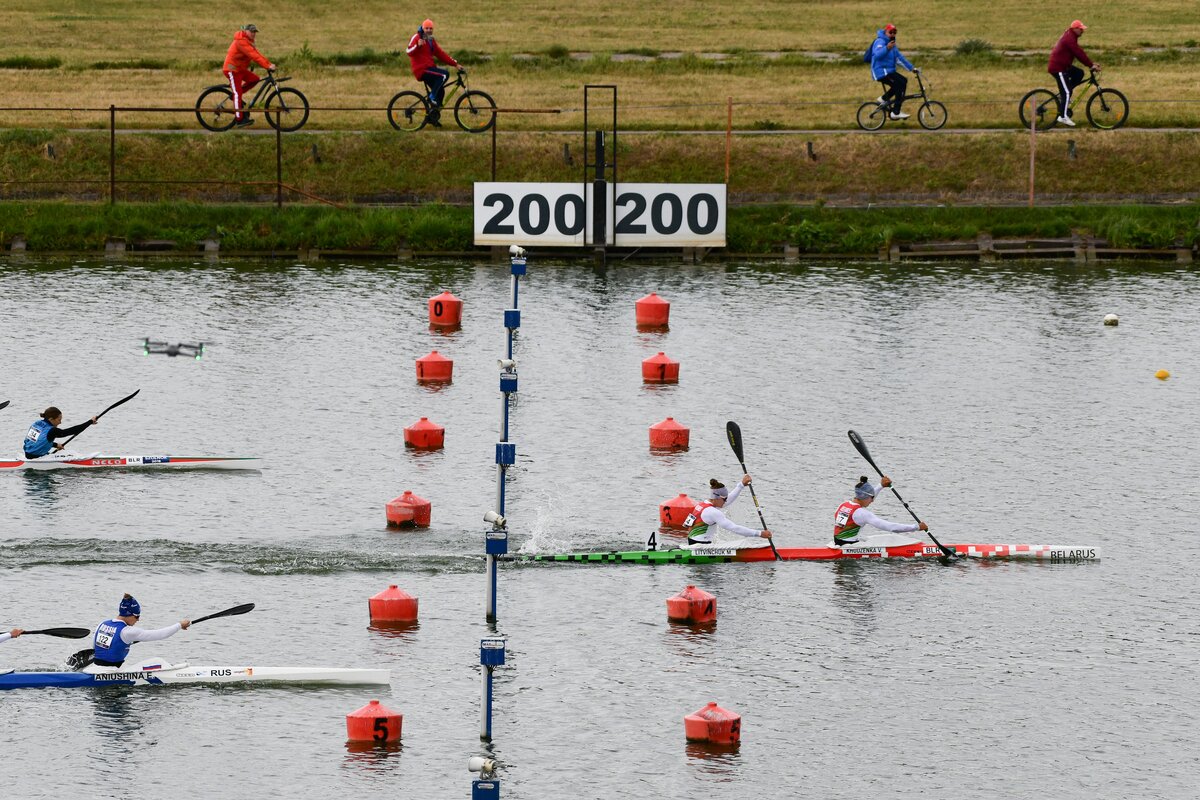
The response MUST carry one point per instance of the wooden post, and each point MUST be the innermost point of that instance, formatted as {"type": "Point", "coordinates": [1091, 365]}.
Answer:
{"type": "Point", "coordinates": [728, 139]}
{"type": "Point", "coordinates": [278, 160]}
{"type": "Point", "coordinates": [495, 124]}
{"type": "Point", "coordinates": [112, 154]}
{"type": "Point", "coordinates": [1032, 147]}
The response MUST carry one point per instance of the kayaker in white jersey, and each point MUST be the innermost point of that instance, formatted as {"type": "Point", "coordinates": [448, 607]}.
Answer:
{"type": "Point", "coordinates": [39, 440]}
{"type": "Point", "coordinates": [14, 633]}
{"type": "Point", "coordinates": [114, 637]}
{"type": "Point", "coordinates": [707, 515]}
{"type": "Point", "coordinates": [852, 515]}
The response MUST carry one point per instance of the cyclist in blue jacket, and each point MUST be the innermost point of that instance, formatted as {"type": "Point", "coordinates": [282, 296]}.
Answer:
{"type": "Point", "coordinates": [884, 55]}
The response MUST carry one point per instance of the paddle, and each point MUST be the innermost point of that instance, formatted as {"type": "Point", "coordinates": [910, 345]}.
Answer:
{"type": "Point", "coordinates": [101, 414]}
{"type": "Point", "coordinates": [735, 441]}
{"type": "Point", "coordinates": [84, 657]}
{"type": "Point", "coordinates": [5, 404]}
{"type": "Point", "coordinates": [62, 633]}
{"type": "Point", "coordinates": [861, 447]}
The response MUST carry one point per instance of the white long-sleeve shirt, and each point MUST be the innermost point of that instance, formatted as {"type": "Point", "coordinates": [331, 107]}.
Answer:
{"type": "Point", "coordinates": [4, 637]}
{"type": "Point", "coordinates": [715, 516]}
{"type": "Point", "coordinates": [131, 634]}
{"type": "Point", "coordinates": [865, 516]}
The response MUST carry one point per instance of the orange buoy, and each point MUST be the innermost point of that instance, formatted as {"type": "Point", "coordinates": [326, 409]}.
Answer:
{"type": "Point", "coordinates": [393, 604]}
{"type": "Point", "coordinates": [652, 311]}
{"type": "Point", "coordinates": [422, 508]}
{"type": "Point", "coordinates": [673, 512]}
{"type": "Point", "coordinates": [374, 722]}
{"type": "Point", "coordinates": [692, 605]}
{"type": "Point", "coordinates": [425, 435]}
{"type": "Point", "coordinates": [434, 368]}
{"type": "Point", "coordinates": [445, 311]}
{"type": "Point", "coordinates": [660, 369]}
{"type": "Point", "coordinates": [669, 435]}
{"type": "Point", "coordinates": [399, 514]}
{"type": "Point", "coordinates": [714, 725]}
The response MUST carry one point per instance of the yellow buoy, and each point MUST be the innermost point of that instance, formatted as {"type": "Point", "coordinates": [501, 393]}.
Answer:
{"type": "Point", "coordinates": [1162, 374]}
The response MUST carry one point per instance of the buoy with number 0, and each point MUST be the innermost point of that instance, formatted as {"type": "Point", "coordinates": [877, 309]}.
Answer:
{"type": "Point", "coordinates": [445, 311]}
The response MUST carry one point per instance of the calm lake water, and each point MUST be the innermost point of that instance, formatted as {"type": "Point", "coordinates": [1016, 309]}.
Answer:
{"type": "Point", "coordinates": [992, 394]}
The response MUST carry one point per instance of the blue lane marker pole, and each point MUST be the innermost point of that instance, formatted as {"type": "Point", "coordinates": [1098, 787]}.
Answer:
{"type": "Point", "coordinates": [491, 655]}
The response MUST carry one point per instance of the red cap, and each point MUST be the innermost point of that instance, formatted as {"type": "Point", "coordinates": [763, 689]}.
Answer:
{"type": "Point", "coordinates": [429, 24]}
{"type": "Point", "coordinates": [1079, 25]}
{"type": "Point", "coordinates": [890, 28]}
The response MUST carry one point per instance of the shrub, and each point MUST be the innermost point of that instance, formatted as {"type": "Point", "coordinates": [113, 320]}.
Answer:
{"type": "Point", "coordinates": [30, 62]}
{"type": "Point", "coordinates": [974, 48]}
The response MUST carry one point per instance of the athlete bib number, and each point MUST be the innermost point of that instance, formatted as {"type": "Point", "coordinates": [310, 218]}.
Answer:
{"type": "Point", "coordinates": [842, 518]}
{"type": "Point", "coordinates": [32, 435]}
{"type": "Point", "coordinates": [689, 521]}
{"type": "Point", "coordinates": [104, 640]}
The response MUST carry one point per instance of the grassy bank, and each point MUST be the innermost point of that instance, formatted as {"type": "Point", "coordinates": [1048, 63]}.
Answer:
{"type": "Point", "coordinates": [791, 64]}
{"type": "Point", "coordinates": [66, 227]}
{"type": "Point", "coordinates": [848, 169]}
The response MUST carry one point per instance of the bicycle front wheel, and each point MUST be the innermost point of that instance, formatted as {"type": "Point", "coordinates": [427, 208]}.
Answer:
{"type": "Point", "coordinates": [931, 115]}
{"type": "Point", "coordinates": [871, 116]}
{"type": "Point", "coordinates": [475, 111]}
{"type": "Point", "coordinates": [1044, 104]}
{"type": "Point", "coordinates": [214, 108]}
{"type": "Point", "coordinates": [1107, 109]}
{"type": "Point", "coordinates": [408, 111]}
{"type": "Point", "coordinates": [287, 110]}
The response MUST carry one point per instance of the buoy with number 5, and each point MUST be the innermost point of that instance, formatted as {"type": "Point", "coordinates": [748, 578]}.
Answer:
{"type": "Point", "coordinates": [374, 722]}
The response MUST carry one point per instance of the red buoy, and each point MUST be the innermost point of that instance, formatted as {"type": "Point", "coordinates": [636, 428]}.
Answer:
{"type": "Point", "coordinates": [445, 311]}
{"type": "Point", "coordinates": [652, 311]}
{"type": "Point", "coordinates": [434, 368]}
{"type": "Point", "coordinates": [374, 722]}
{"type": "Point", "coordinates": [660, 369]}
{"type": "Point", "coordinates": [672, 513]}
{"type": "Point", "coordinates": [692, 605]}
{"type": "Point", "coordinates": [393, 604]}
{"type": "Point", "coordinates": [714, 725]}
{"type": "Point", "coordinates": [669, 435]}
{"type": "Point", "coordinates": [425, 435]}
{"type": "Point", "coordinates": [399, 515]}
{"type": "Point", "coordinates": [422, 508]}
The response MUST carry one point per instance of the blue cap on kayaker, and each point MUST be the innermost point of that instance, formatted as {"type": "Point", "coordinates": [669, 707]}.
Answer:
{"type": "Point", "coordinates": [718, 490]}
{"type": "Point", "coordinates": [864, 490]}
{"type": "Point", "coordinates": [129, 607]}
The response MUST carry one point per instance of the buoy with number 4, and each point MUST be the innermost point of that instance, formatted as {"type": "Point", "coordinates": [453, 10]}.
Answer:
{"type": "Point", "coordinates": [374, 722]}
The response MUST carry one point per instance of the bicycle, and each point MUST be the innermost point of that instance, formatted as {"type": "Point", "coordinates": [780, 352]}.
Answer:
{"type": "Point", "coordinates": [474, 111]}
{"type": "Point", "coordinates": [286, 108]}
{"type": "Point", "coordinates": [932, 114]}
{"type": "Point", "coordinates": [1106, 108]}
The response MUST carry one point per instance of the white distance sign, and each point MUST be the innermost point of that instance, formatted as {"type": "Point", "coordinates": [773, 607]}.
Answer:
{"type": "Point", "coordinates": [638, 214]}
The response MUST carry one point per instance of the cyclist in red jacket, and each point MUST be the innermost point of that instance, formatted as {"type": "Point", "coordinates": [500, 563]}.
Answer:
{"type": "Point", "coordinates": [422, 50]}
{"type": "Point", "coordinates": [237, 69]}
{"type": "Point", "coordinates": [1062, 67]}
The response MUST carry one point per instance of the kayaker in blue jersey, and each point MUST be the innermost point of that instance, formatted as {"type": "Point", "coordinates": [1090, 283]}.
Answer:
{"type": "Point", "coordinates": [114, 637]}
{"type": "Point", "coordinates": [40, 439]}
{"type": "Point", "coordinates": [14, 633]}
{"type": "Point", "coordinates": [707, 515]}
{"type": "Point", "coordinates": [852, 515]}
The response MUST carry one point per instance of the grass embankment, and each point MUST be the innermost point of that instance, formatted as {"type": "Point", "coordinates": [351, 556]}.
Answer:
{"type": "Point", "coordinates": [849, 169]}
{"type": "Point", "coordinates": [757, 229]}
{"type": "Point", "coordinates": [133, 54]}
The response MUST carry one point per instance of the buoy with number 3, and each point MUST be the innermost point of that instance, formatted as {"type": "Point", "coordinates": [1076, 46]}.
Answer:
{"type": "Point", "coordinates": [673, 512]}
{"type": "Point", "coordinates": [374, 722]}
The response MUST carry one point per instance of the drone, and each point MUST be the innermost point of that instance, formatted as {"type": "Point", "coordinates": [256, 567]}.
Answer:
{"type": "Point", "coordinates": [163, 348]}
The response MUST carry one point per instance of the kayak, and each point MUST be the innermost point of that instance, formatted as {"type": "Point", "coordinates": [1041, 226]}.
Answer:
{"type": "Point", "coordinates": [163, 674]}
{"type": "Point", "coordinates": [97, 461]}
{"type": "Point", "coordinates": [708, 554]}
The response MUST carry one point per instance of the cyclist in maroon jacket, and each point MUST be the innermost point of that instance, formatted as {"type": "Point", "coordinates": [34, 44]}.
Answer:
{"type": "Point", "coordinates": [1062, 67]}
{"type": "Point", "coordinates": [422, 50]}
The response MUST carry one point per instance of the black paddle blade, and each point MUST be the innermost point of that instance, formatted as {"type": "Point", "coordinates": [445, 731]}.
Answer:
{"type": "Point", "coordinates": [861, 447]}
{"type": "Point", "coordinates": [229, 612]}
{"type": "Point", "coordinates": [5, 404]}
{"type": "Point", "coordinates": [119, 402]}
{"type": "Point", "coordinates": [81, 659]}
{"type": "Point", "coordinates": [63, 633]}
{"type": "Point", "coordinates": [735, 439]}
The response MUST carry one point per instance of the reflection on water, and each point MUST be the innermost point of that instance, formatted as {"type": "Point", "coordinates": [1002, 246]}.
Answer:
{"type": "Point", "coordinates": [116, 720]}
{"type": "Point", "coordinates": [722, 761]}
{"type": "Point", "coordinates": [42, 487]}
{"type": "Point", "coordinates": [402, 631]}
{"type": "Point", "coordinates": [373, 757]}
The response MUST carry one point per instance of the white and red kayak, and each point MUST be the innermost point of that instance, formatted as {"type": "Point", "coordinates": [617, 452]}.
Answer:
{"type": "Point", "coordinates": [98, 461]}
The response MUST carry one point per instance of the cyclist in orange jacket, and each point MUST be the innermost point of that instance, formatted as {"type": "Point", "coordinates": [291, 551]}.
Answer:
{"type": "Point", "coordinates": [237, 69]}
{"type": "Point", "coordinates": [422, 50]}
